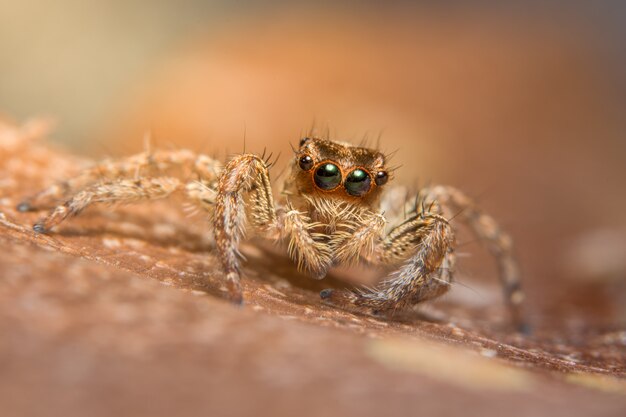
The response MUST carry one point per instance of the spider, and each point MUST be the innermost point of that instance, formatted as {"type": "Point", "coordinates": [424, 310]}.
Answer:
{"type": "Point", "coordinates": [336, 207]}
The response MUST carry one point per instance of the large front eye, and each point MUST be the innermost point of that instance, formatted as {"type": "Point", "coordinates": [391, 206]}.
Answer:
{"type": "Point", "coordinates": [327, 176]}
{"type": "Point", "coordinates": [358, 182]}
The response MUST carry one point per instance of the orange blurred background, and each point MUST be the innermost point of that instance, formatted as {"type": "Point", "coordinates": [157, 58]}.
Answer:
{"type": "Point", "coordinates": [520, 106]}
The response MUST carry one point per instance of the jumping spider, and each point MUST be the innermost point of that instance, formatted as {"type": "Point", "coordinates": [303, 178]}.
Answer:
{"type": "Point", "coordinates": [330, 213]}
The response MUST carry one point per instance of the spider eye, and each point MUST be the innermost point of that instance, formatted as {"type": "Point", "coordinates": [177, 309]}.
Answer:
{"type": "Point", "coordinates": [303, 141]}
{"type": "Point", "coordinates": [358, 182]}
{"type": "Point", "coordinates": [327, 176]}
{"type": "Point", "coordinates": [381, 178]}
{"type": "Point", "coordinates": [305, 162]}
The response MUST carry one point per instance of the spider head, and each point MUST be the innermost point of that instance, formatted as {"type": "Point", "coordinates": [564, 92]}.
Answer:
{"type": "Point", "coordinates": [328, 168]}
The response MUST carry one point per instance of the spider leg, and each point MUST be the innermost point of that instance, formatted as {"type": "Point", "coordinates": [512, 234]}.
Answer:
{"type": "Point", "coordinates": [455, 203]}
{"type": "Point", "coordinates": [106, 183]}
{"type": "Point", "coordinates": [307, 248]}
{"type": "Point", "coordinates": [358, 240]}
{"type": "Point", "coordinates": [244, 195]}
{"type": "Point", "coordinates": [427, 273]}
{"type": "Point", "coordinates": [243, 175]}
{"type": "Point", "coordinates": [134, 166]}
{"type": "Point", "coordinates": [116, 191]}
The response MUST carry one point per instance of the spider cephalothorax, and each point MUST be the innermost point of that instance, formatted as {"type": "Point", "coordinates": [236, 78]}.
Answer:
{"type": "Point", "coordinates": [330, 212]}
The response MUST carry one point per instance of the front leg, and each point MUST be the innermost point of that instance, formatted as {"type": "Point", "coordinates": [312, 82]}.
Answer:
{"type": "Point", "coordinates": [308, 249]}
{"type": "Point", "coordinates": [358, 239]}
{"type": "Point", "coordinates": [244, 174]}
{"type": "Point", "coordinates": [426, 275]}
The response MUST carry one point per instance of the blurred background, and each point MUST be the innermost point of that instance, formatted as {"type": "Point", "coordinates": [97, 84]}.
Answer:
{"type": "Point", "coordinates": [520, 104]}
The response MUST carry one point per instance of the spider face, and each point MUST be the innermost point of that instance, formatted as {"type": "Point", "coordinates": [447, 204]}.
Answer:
{"type": "Point", "coordinates": [339, 170]}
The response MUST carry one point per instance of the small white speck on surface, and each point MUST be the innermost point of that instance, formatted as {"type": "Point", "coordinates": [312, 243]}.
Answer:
{"type": "Point", "coordinates": [130, 228]}
{"type": "Point", "coordinates": [174, 250]}
{"type": "Point", "coordinates": [164, 230]}
{"type": "Point", "coordinates": [571, 359]}
{"type": "Point", "coordinates": [273, 290]}
{"type": "Point", "coordinates": [134, 243]}
{"type": "Point", "coordinates": [282, 284]}
{"type": "Point", "coordinates": [111, 243]}
{"type": "Point", "coordinates": [488, 353]}
{"type": "Point", "coordinates": [457, 332]}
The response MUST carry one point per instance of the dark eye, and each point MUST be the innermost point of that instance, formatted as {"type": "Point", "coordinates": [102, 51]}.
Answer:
{"type": "Point", "coordinates": [305, 162]}
{"type": "Point", "coordinates": [303, 141]}
{"type": "Point", "coordinates": [327, 176]}
{"type": "Point", "coordinates": [381, 178]}
{"type": "Point", "coordinates": [358, 182]}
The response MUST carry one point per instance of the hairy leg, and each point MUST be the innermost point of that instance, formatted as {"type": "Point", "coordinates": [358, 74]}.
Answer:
{"type": "Point", "coordinates": [244, 175]}
{"type": "Point", "coordinates": [117, 191]}
{"type": "Point", "coordinates": [306, 247]}
{"type": "Point", "coordinates": [359, 240]}
{"type": "Point", "coordinates": [133, 167]}
{"type": "Point", "coordinates": [427, 240]}
{"type": "Point", "coordinates": [453, 202]}
{"type": "Point", "coordinates": [244, 194]}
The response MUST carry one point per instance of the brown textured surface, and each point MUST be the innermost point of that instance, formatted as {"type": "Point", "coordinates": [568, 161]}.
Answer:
{"type": "Point", "coordinates": [120, 313]}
